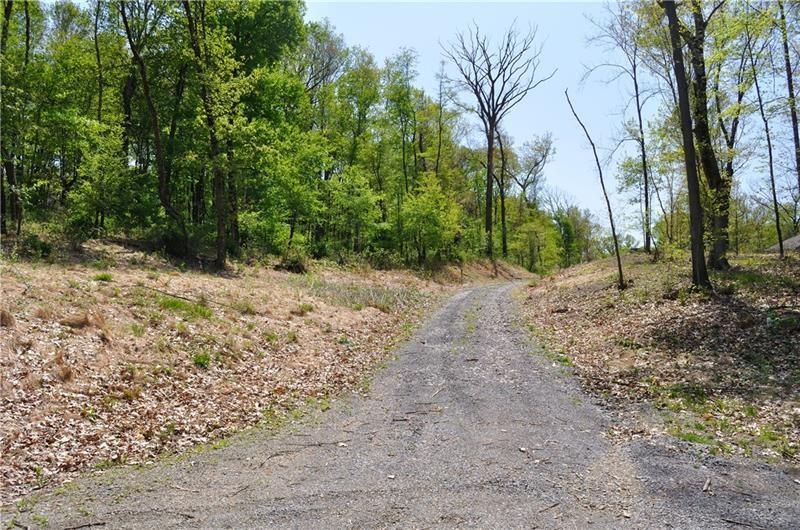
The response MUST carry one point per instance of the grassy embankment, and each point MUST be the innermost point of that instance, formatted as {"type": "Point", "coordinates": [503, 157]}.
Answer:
{"type": "Point", "coordinates": [114, 356]}
{"type": "Point", "coordinates": [722, 368]}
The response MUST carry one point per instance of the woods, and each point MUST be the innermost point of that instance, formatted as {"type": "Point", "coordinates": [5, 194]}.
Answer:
{"type": "Point", "coordinates": [213, 132]}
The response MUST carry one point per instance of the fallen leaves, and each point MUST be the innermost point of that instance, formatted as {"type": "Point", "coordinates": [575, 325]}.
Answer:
{"type": "Point", "coordinates": [72, 399]}
{"type": "Point", "coordinates": [722, 367]}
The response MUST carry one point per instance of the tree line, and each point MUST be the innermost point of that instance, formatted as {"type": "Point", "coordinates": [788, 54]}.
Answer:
{"type": "Point", "coordinates": [215, 130]}
{"type": "Point", "coordinates": [718, 77]}
{"type": "Point", "coordinates": [219, 129]}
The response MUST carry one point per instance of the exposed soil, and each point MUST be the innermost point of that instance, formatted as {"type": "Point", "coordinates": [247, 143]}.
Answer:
{"type": "Point", "coordinates": [471, 425]}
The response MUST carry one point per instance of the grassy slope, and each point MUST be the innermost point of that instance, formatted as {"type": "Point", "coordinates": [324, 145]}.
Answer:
{"type": "Point", "coordinates": [117, 356]}
{"type": "Point", "coordinates": [723, 369]}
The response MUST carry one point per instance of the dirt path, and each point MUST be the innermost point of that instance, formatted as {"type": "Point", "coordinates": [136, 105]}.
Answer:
{"type": "Point", "coordinates": [469, 427]}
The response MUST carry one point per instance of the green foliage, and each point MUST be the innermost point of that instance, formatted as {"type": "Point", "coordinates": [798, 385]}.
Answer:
{"type": "Point", "coordinates": [188, 310]}
{"type": "Point", "coordinates": [318, 149]}
{"type": "Point", "coordinates": [201, 359]}
{"type": "Point", "coordinates": [430, 219]}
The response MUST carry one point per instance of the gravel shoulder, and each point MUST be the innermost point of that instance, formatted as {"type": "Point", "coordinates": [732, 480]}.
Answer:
{"type": "Point", "coordinates": [470, 425]}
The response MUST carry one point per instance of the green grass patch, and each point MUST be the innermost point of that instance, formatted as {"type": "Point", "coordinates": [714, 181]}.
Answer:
{"type": "Point", "coordinates": [186, 309]}
{"type": "Point", "coordinates": [201, 359]}
{"type": "Point", "coordinates": [104, 277]}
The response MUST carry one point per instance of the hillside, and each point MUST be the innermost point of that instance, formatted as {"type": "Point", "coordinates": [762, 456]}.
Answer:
{"type": "Point", "coordinates": [118, 356]}
{"type": "Point", "coordinates": [720, 369]}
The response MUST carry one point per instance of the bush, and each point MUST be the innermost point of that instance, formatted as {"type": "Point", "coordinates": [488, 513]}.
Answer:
{"type": "Point", "coordinates": [35, 247]}
{"type": "Point", "coordinates": [293, 261]}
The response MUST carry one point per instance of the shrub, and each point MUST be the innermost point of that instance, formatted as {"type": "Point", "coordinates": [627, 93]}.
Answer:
{"type": "Point", "coordinates": [292, 261]}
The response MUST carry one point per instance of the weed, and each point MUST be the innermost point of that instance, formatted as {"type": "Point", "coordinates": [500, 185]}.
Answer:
{"type": "Point", "coordinates": [161, 369]}
{"type": "Point", "coordinates": [270, 336]}
{"type": "Point", "coordinates": [103, 263]}
{"type": "Point", "coordinates": [103, 277]}
{"type": "Point", "coordinates": [166, 432]}
{"type": "Point", "coordinates": [132, 393]}
{"type": "Point", "coordinates": [291, 336]}
{"type": "Point", "coordinates": [137, 330]}
{"type": "Point", "coordinates": [220, 444]}
{"type": "Point", "coordinates": [40, 520]}
{"type": "Point", "coordinates": [244, 306]}
{"type": "Point", "coordinates": [303, 309]}
{"type": "Point", "coordinates": [201, 359]}
{"type": "Point", "coordinates": [188, 310]}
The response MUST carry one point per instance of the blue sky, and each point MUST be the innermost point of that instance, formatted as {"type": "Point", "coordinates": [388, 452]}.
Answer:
{"type": "Point", "coordinates": [385, 27]}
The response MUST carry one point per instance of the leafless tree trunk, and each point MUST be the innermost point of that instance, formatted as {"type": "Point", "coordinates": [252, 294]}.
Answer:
{"type": "Point", "coordinates": [787, 61]}
{"type": "Point", "coordinates": [764, 119]}
{"type": "Point", "coordinates": [699, 271]}
{"type": "Point", "coordinates": [620, 278]}
{"type": "Point", "coordinates": [499, 78]}
{"type": "Point", "coordinates": [501, 188]}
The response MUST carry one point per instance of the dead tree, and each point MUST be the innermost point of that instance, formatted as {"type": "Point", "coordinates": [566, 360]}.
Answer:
{"type": "Point", "coordinates": [620, 279]}
{"type": "Point", "coordinates": [699, 271]}
{"type": "Point", "coordinates": [498, 78]}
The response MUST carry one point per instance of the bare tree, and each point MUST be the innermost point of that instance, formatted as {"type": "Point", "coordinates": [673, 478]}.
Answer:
{"type": "Point", "coordinates": [620, 279]}
{"type": "Point", "coordinates": [764, 119]}
{"type": "Point", "coordinates": [620, 32]}
{"type": "Point", "coordinates": [498, 78]}
{"type": "Point", "coordinates": [699, 271]}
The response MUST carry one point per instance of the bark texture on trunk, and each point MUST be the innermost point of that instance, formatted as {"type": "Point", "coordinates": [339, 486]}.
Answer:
{"type": "Point", "coordinates": [699, 271]}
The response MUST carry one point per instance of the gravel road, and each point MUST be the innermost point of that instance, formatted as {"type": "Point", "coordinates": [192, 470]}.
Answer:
{"type": "Point", "coordinates": [470, 426]}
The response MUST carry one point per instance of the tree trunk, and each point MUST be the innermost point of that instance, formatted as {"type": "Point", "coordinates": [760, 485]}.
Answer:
{"type": "Point", "coordinates": [719, 186]}
{"type": "Point", "coordinates": [790, 88]}
{"type": "Point", "coordinates": [220, 206]}
{"type": "Point", "coordinates": [489, 188]}
{"type": "Point", "coordinates": [439, 122]}
{"type": "Point", "coordinates": [764, 119]}
{"type": "Point", "coordinates": [645, 176]}
{"type": "Point", "coordinates": [99, 64]}
{"type": "Point", "coordinates": [164, 195]}
{"type": "Point", "coordinates": [501, 188]}
{"type": "Point", "coordinates": [620, 277]}
{"type": "Point", "coordinates": [699, 272]}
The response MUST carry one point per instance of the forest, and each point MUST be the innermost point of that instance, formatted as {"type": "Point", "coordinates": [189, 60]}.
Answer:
{"type": "Point", "coordinates": [258, 270]}
{"type": "Point", "coordinates": [217, 131]}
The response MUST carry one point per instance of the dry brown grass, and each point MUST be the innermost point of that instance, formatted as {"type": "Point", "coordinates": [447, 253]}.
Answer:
{"type": "Point", "coordinates": [124, 371]}
{"type": "Point", "coordinates": [723, 367]}
{"type": "Point", "coordinates": [6, 319]}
